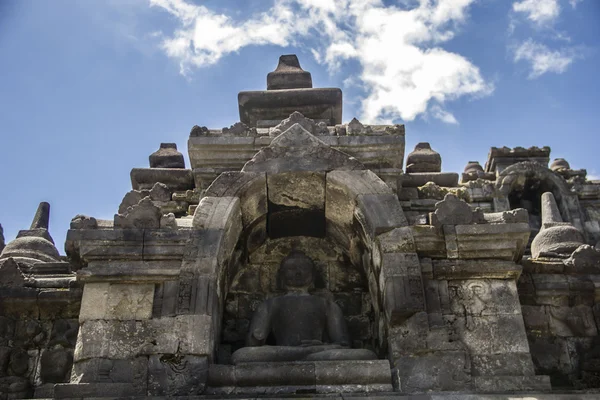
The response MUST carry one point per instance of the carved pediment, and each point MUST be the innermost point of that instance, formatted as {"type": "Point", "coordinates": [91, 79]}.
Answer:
{"type": "Point", "coordinates": [297, 149]}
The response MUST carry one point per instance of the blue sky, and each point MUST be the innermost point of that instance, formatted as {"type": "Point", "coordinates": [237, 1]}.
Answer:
{"type": "Point", "coordinates": [88, 89]}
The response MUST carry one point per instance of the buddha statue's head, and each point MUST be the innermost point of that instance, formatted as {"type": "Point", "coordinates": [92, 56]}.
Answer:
{"type": "Point", "coordinates": [296, 271]}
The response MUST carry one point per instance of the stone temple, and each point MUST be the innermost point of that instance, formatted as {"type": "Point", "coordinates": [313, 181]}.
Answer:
{"type": "Point", "coordinates": [302, 257]}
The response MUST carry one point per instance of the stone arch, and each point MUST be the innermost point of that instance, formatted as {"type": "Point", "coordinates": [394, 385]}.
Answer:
{"type": "Point", "coordinates": [299, 174]}
{"type": "Point", "coordinates": [518, 176]}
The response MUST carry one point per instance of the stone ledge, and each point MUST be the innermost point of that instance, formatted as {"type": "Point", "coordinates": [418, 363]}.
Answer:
{"type": "Point", "coordinates": [301, 376]}
{"type": "Point", "coordinates": [475, 269]}
{"type": "Point", "coordinates": [130, 271]}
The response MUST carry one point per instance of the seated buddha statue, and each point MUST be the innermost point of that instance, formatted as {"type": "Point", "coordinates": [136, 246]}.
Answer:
{"type": "Point", "coordinates": [305, 327]}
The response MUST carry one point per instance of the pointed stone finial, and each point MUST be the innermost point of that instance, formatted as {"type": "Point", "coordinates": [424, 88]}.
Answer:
{"type": "Point", "coordinates": [2, 244]}
{"type": "Point", "coordinates": [289, 75]}
{"type": "Point", "coordinates": [42, 217]}
{"type": "Point", "coordinates": [550, 213]}
{"type": "Point", "coordinates": [556, 239]}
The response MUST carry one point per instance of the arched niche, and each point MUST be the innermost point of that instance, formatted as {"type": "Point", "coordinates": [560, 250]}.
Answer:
{"type": "Point", "coordinates": [362, 235]}
{"type": "Point", "coordinates": [521, 186]}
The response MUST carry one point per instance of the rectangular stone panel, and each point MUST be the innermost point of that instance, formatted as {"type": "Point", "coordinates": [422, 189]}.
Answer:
{"type": "Point", "coordinates": [187, 334]}
{"type": "Point", "coordinates": [480, 297]}
{"type": "Point", "coordinates": [130, 301]}
{"type": "Point", "coordinates": [304, 190]}
{"type": "Point", "coordinates": [94, 301]}
{"type": "Point", "coordinates": [435, 371]}
{"type": "Point", "coordinates": [493, 334]}
{"type": "Point", "coordinates": [507, 364]}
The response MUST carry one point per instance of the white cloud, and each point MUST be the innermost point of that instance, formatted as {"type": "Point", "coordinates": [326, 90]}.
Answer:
{"type": "Point", "coordinates": [443, 115]}
{"type": "Point", "coordinates": [574, 3]}
{"type": "Point", "coordinates": [403, 69]}
{"type": "Point", "coordinates": [542, 59]}
{"type": "Point", "coordinates": [540, 12]}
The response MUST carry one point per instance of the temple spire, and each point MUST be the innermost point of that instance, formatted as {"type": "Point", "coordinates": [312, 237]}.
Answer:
{"type": "Point", "coordinates": [42, 216]}
{"type": "Point", "coordinates": [550, 213]}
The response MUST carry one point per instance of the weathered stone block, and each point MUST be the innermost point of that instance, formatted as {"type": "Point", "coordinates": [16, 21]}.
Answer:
{"type": "Point", "coordinates": [410, 337]}
{"type": "Point", "coordinates": [496, 384]}
{"type": "Point", "coordinates": [250, 187]}
{"type": "Point", "coordinates": [94, 302]}
{"type": "Point", "coordinates": [275, 374]}
{"type": "Point", "coordinates": [116, 301]}
{"type": "Point", "coordinates": [130, 301]}
{"type": "Point", "coordinates": [475, 269]}
{"type": "Point", "coordinates": [439, 371]}
{"type": "Point", "coordinates": [353, 373]}
{"type": "Point", "coordinates": [305, 190]}
{"type": "Point", "coordinates": [177, 375]}
{"type": "Point", "coordinates": [342, 188]}
{"type": "Point", "coordinates": [379, 213]}
{"type": "Point", "coordinates": [507, 364]}
{"type": "Point", "coordinates": [188, 334]}
{"type": "Point", "coordinates": [493, 334]}
{"type": "Point", "coordinates": [572, 321]}
{"type": "Point", "coordinates": [550, 356]}
{"type": "Point", "coordinates": [91, 390]}
{"type": "Point", "coordinates": [398, 240]}
{"type": "Point", "coordinates": [174, 178]}
{"type": "Point", "coordinates": [481, 297]}
{"type": "Point", "coordinates": [536, 320]}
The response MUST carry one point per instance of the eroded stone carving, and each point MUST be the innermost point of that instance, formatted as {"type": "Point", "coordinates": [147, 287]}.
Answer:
{"type": "Point", "coordinates": [432, 191]}
{"type": "Point", "coordinates": [294, 118]}
{"type": "Point", "coordinates": [239, 129]}
{"type": "Point", "coordinates": [453, 211]}
{"type": "Point", "coordinates": [81, 221]}
{"type": "Point", "coordinates": [143, 215]}
{"type": "Point", "coordinates": [355, 127]}
{"type": "Point", "coordinates": [300, 322]}
{"type": "Point", "coordinates": [585, 259]}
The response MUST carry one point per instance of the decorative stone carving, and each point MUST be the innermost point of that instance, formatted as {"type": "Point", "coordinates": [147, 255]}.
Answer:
{"type": "Point", "coordinates": [300, 323]}
{"type": "Point", "coordinates": [432, 191]}
{"type": "Point", "coordinates": [160, 194]}
{"type": "Point", "coordinates": [143, 215]}
{"type": "Point", "coordinates": [501, 158]}
{"type": "Point", "coordinates": [83, 222]}
{"type": "Point", "coordinates": [168, 221]}
{"type": "Point", "coordinates": [423, 159]}
{"type": "Point", "coordinates": [356, 128]}
{"type": "Point", "coordinates": [294, 118]}
{"type": "Point", "coordinates": [199, 131]}
{"type": "Point", "coordinates": [239, 129]}
{"type": "Point", "coordinates": [453, 211]}
{"type": "Point", "coordinates": [556, 238]}
{"type": "Point", "coordinates": [167, 156]}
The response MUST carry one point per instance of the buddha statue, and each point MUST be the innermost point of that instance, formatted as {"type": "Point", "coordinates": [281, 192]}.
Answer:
{"type": "Point", "coordinates": [305, 327]}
